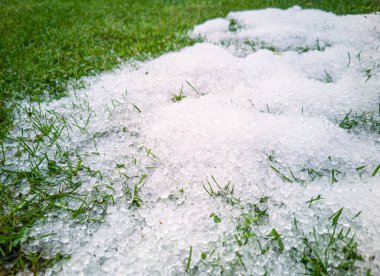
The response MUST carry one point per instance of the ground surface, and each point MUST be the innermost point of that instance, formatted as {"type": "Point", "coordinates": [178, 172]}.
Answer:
{"type": "Point", "coordinates": [130, 173]}
{"type": "Point", "coordinates": [287, 117]}
{"type": "Point", "coordinates": [46, 44]}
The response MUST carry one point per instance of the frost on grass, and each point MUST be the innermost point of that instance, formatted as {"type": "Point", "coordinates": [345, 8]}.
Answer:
{"type": "Point", "coordinates": [234, 155]}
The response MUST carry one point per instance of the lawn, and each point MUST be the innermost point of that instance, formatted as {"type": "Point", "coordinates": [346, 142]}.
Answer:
{"type": "Point", "coordinates": [46, 47]}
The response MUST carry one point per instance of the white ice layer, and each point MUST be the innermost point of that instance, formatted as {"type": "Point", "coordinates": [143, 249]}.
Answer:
{"type": "Point", "coordinates": [267, 89]}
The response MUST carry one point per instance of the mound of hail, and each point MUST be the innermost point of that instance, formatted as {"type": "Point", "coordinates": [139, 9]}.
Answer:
{"type": "Point", "coordinates": [239, 153]}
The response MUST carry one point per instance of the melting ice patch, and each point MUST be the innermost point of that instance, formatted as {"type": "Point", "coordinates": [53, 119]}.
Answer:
{"type": "Point", "coordinates": [266, 95]}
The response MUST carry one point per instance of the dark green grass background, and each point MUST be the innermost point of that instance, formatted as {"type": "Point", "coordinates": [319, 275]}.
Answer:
{"type": "Point", "coordinates": [43, 44]}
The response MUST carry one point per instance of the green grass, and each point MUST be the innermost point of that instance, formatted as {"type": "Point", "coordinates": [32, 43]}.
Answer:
{"type": "Point", "coordinates": [308, 175]}
{"type": "Point", "coordinates": [368, 121]}
{"type": "Point", "coordinates": [333, 251]}
{"type": "Point", "coordinates": [320, 253]}
{"type": "Point", "coordinates": [40, 176]}
{"type": "Point", "coordinates": [178, 97]}
{"type": "Point", "coordinates": [243, 241]}
{"type": "Point", "coordinates": [45, 45]}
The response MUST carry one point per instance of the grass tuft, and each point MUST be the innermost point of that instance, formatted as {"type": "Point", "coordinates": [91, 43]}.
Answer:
{"type": "Point", "coordinates": [332, 253]}
{"type": "Point", "coordinates": [233, 26]}
{"type": "Point", "coordinates": [367, 120]}
{"type": "Point", "coordinates": [178, 97]}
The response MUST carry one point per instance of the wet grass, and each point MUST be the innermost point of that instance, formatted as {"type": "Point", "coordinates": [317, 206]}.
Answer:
{"type": "Point", "coordinates": [327, 170]}
{"type": "Point", "coordinates": [233, 26]}
{"type": "Point", "coordinates": [333, 250]}
{"type": "Point", "coordinates": [41, 176]}
{"type": "Point", "coordinates": [189, 259]}
{"type": "Point", "coordinates": [253, 45]}
{"type": "Point", "coordinates": [46, 46]}
{"type": "Point", "coordinates": [136, 200]}
{"type": "Point", "coordinates": [367, 121]}
{"type": "Point", "coordinates": [333, 253]}
{"type": "Point", "coordinates": [243, 241]}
